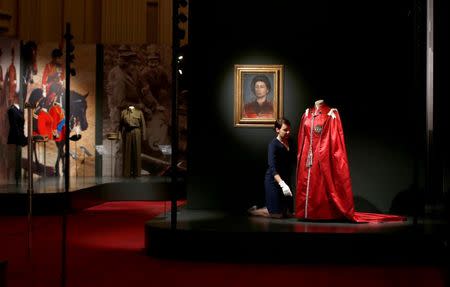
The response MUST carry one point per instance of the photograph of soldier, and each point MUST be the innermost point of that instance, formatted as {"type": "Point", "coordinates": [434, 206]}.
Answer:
{"type": "Point", "coordinates": [138, 76]}
{"type": "Point", "coordinates": [46, 90]}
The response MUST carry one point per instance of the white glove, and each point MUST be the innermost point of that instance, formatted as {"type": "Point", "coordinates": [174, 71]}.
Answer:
{"type": "Point", "coordinates": [285, 188]}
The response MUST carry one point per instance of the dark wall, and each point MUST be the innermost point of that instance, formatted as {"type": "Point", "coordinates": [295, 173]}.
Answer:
{"type": "Point", "coordinates": [442, 101]}
{"type": "Point", "coordinates": [357, 55]}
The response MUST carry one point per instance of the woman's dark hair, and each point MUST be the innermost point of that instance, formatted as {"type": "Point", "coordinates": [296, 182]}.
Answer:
{"type": "Point", "coordinates": [261, 78]}
{"type": "Point", "coordinates": [279, 122]}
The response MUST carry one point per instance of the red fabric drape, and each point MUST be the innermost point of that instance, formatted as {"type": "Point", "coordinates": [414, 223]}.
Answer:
{"type": "Point", "coordinates": [324, 188]}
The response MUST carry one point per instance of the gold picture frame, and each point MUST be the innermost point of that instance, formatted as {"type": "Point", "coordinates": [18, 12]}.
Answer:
{"type": "Point", "coordinates": [258, 95]}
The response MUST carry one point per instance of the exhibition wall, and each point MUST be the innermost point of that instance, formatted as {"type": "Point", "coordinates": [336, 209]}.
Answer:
{"type": "Point", "coordinates": [145, 69]}
{"type": "Point", "coordinates": [365, 64]}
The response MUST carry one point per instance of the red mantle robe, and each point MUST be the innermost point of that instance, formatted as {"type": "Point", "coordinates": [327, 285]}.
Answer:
{"type": "Point", "coordinates": [324, 188]}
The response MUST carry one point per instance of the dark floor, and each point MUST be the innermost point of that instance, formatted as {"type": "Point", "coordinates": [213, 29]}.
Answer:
{"type": "Point", "coordinates": [213, 234]}
{"type": "Point", "coordinates": [105, 247]}
{"type": "Point", "coordinates": [53, 184]}
{"type": "Point", "coordinates": [48, 195]}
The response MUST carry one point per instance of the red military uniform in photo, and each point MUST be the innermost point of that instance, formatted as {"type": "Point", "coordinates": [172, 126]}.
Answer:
{"type": "Point", "coordinates": [52, 69]}
{"type": "Point", "coordinates": [57, 114]}
{"type": "Point", "coordinates": [52, 73]}
{"type": "Point", "coordinates": [324, 188]}
{"type": "Point", "coordinates": [45, 124]}
{"type": "Point", "coordinates": [11, 80]}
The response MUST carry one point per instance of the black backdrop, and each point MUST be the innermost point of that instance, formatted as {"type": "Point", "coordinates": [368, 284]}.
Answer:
{"type": "Point", "coordinates": [365, 58]}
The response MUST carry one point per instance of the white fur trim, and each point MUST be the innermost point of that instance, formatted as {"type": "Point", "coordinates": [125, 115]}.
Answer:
{"type": "Point", "coordinates": [331, 113]}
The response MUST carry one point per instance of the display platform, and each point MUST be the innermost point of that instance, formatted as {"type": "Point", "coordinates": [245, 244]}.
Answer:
{"type": "Point", "coordinates": [213, 235]}
{"type": "Point", "coordinates": [49, 194]}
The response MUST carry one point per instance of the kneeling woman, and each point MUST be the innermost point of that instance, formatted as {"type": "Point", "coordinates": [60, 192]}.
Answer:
{"type": "Point", "coordinates": [276, 182]}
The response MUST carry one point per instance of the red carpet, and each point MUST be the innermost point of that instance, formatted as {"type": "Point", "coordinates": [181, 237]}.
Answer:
{"type": "Point", "coordinates": [105, 248]}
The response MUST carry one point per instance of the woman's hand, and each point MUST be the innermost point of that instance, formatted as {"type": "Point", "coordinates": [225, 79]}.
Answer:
{"type": "Point", "coordinates": [285, 188]}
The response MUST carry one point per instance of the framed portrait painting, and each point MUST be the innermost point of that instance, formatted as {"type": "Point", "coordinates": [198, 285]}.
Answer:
{"type": "Point", "coordinates": [258, 95]}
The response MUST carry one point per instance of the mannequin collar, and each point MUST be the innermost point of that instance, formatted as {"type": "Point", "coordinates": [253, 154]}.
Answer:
{"type": "Point", "coordinates": [321, 109]}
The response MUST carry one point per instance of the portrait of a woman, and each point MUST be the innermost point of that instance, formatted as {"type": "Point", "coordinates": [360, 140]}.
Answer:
{"type": "Point", "coordinates": [260, 106]}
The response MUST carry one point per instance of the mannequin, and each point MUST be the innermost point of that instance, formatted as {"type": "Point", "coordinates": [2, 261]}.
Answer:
{"type": "Point", "coordinates": [132, 127]}
{"type": "Point", "coordinates": [324, 188]}
{"type": "Point", "coordinates": [16, 119]}
{"type": "Point", "coordinates": [16, 135]}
